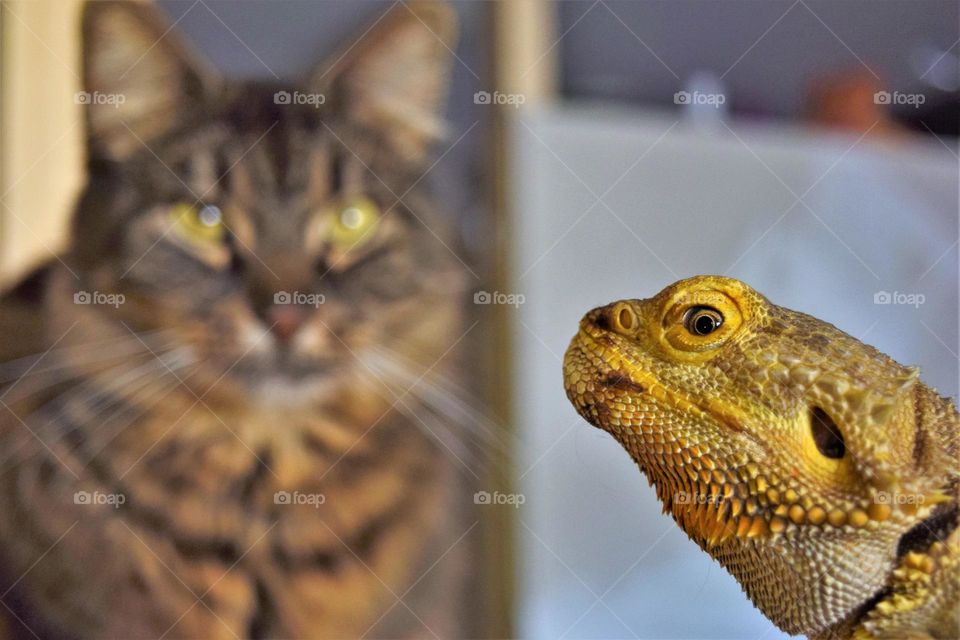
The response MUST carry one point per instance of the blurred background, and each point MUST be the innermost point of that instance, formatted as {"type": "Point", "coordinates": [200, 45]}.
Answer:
{"type": "Point", "coordinates": [601, 150]}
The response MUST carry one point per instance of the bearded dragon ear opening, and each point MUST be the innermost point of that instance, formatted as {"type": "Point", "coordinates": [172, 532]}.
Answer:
{"type": "Point", "coordinates": [826, 434]}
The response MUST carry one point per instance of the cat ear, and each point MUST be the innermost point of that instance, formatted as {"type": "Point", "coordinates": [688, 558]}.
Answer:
{"type": "Point", "coordinates": [140, 80]}
{"type": "Point", "coordinates": [395, 79]}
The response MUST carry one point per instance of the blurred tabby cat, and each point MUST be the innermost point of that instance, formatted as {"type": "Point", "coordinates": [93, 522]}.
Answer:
{"type": "Point", "coordinates": [205, 428]}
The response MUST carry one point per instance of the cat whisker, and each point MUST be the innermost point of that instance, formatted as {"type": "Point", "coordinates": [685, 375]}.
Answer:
{"type": "Point", "coordinates": [440, 431]}
{"type": "Point", "coordinates": [433, 406]}
{"type": "Point", "coordinates": [465, 396]}
{"type": "Point", "coordinates": [434, 427]}
{"type": "Point", "coordinates": [26, 365]}
{"type": "Point", "coordinates": [144, 399]}
{"type": "Point", "coordinates": [448, 400]}
{"type": "Point", "coordinates": [109, 387]}
{"type": "Point", "coordinates": [396, 396]}
{"type": "Point", "coordinates": [63, 372]}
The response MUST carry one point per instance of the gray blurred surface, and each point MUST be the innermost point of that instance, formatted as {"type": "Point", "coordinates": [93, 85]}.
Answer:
{"type": "Point", "coordinates": [767, 51]}
{"type": "Point", "coordinates": [681, 202]}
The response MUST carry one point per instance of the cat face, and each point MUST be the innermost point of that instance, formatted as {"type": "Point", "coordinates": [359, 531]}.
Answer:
{"type": "Point", "coordinates": [276, 233]}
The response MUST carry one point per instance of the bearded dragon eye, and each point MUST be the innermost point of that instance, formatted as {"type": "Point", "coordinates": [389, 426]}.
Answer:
{"type": "Point", "coordinates": [702, 321]}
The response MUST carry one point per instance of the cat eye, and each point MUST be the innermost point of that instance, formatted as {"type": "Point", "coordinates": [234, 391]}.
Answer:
{"type": "Point", "coordinates": [353, 222]}
{"type": "Point", "coordinates": [202, 223]}
{"type": "Point", "coordinates": [702, 321]}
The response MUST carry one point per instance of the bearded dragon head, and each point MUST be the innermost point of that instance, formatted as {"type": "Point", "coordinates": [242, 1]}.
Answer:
{"type": "Point", "coordinates": [784, 447]}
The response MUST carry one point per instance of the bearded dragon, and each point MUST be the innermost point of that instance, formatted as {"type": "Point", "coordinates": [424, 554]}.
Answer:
{"type": "Point", "coordinates": [819, 472]}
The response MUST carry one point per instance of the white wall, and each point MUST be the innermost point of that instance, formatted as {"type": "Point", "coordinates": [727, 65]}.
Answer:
{"type": "Point", "coordinates": [41, 127]}
{"type": "Point", "coordinates": [880, 217]}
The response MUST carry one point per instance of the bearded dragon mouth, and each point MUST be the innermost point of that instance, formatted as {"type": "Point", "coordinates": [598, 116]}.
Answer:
{"type": "Point", "coordinates": [622, 382]}
{"type": "Point", "coordinates": [614, 369]}
{"type": "Point", "coordinates": [610, 389]}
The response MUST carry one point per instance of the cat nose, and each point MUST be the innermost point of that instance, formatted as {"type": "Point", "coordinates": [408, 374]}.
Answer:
{"type": "Point", "coordinates": [285, 320]}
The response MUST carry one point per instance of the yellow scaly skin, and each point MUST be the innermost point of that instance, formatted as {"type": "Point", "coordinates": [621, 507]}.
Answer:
{"type": "Point", "coordinates": [819, 472]}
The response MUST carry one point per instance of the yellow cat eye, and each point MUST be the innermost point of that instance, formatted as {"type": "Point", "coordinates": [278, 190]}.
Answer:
{"type": "Point", "coordinates": [203, 223]}
{"type": "Point", "coordinates": [353, 221]}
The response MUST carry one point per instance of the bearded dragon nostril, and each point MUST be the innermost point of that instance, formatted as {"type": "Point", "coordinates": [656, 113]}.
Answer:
{"type": "Point", "coordinates": [599, 318]}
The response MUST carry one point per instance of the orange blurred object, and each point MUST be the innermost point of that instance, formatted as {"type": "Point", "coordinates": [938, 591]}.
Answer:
{"type": "Point", "coordinates": [849, 100]}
